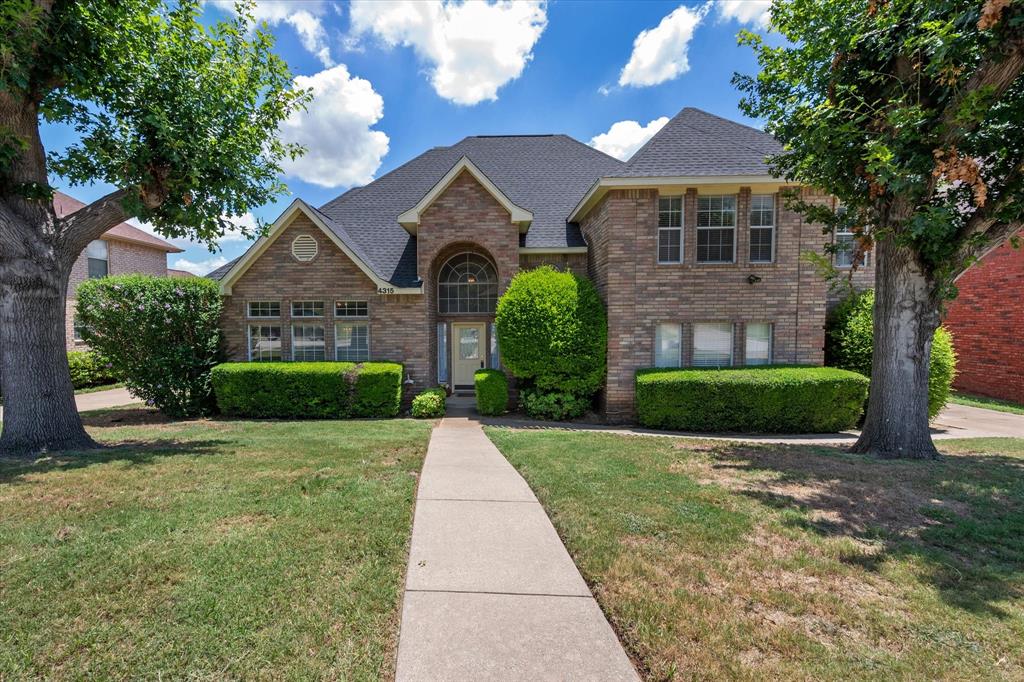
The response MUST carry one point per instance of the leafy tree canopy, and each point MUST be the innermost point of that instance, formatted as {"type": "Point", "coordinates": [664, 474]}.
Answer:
{"type": "Point", "coordinates": [181, 115]}
{"type": "Point", "coordinates": [907, 111]}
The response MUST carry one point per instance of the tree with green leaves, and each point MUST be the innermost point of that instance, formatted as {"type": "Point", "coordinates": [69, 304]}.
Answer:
{"type": "Point", "coordinates": [179, 117]}
{"type": "Point", "coordinates": [909, 112]}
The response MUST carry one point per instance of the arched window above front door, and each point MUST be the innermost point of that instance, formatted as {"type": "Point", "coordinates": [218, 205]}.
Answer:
{"type": "Point", "coordinates": [467, 283]}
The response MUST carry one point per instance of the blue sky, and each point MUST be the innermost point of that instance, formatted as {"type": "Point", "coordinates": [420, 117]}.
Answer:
{"type": "Point", "coordinates": [393, 79]}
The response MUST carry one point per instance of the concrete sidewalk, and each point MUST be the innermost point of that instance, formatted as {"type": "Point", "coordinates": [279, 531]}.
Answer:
{"type": "Point", "coordinates": [491, 593]}
{"type": "Point", "coordinates": [99, 400]}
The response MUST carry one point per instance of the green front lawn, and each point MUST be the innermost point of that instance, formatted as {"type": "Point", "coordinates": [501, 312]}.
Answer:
{"type": "Point", "coordinates": [987, 403]}
{"type": "Point", "coordinates": [209, 549]}
{"type": "Point", "coordinates": [721, 560]}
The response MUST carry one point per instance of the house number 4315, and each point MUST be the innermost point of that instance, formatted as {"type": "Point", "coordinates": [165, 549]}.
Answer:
{"type": "Point", "coordinates": [385, 290]}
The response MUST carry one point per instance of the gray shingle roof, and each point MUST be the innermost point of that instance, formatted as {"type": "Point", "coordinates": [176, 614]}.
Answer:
{"type": "Point", "coordinates": [544, 174]}
{"type": "Point", "coordinates": [219, 273]}
{"type": "Point", "coordinates": [695, 142]}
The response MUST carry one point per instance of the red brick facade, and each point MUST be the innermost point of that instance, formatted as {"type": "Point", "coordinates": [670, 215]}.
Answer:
{"type": "Point", "coordinates": [621, 231]}
{"type": "Point", "coordinates": [987, 323]}
{"type": "Point", "coordinates": [123, 258]}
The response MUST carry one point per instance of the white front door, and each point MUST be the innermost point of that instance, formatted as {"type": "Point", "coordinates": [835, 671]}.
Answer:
{"type": "Point", "coordinates": [468, 352]}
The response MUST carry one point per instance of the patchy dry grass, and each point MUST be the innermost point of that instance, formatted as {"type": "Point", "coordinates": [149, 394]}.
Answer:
{"type": "Point", "coordinates": [208, 549]}
{"type": "Point", "coordinates": [986, 402]}
{"type": "Point", "coordinates": [718, 560]}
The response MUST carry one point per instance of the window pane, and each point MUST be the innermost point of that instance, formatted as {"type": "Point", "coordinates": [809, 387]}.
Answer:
{"type": "Point", "coordinates": [442, 353]}
{"type": "Point", "coordinates": [715, 245]}
{"type": "Point", "coordinates": [97, 268]}
{"type": "Point", "coordinates": [495, 362]}
{"type": "Point", "coordinates": [670, 212]}
{"type": "Point", "coordinates": [761, 239]}
{"type": "Point", "coordinates": [667, 345]}
{"type": "Point", "coordinates": [712, 344]}
{"type": "Point", "coordinates": [307, 308]}
{"type": "Point", "coordinates": [96, 249]}
{"type": "Point", "coordinates": [351, 309]}
{"type": "Point", "coordinates": [469, 343]}
{"type": "Point", "coordinates": [467, 283]}
{"type": "Point", "coordinates": [352, 341]}
{"type": "Point", "coordinates": [264, 309]}
{"type": "Point", "coordinates": [264, 343]}
{"type": "Point", "coordinates": [670, 245]}
{"type": "Point", "coordinates": [759, 343]}
{"type": "Point", "coordinates": [308, 343]}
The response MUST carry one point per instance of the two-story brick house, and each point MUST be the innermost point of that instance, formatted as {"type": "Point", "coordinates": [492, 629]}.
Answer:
{"type": "Point", "coordinates": [689, 244]}
{"type": "Point", "coordinates": [122, 249]}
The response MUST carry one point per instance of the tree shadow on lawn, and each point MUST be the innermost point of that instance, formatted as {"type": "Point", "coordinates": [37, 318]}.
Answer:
{"type": "Point", "coordinates": [959, 520]}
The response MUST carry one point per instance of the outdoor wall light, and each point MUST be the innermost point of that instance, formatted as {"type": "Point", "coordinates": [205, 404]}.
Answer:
{"type": "Point", "coordinates": [408, 379]}
{"type": "Point", "coordinates": [753, 279]}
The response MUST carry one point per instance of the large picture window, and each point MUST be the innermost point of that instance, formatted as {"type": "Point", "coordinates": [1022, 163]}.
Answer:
{"type": "Point", "coordinates": [264, 342]}
{"type": "Point", "coordinates": [716, 229]}
{"type": "Point", "coordinates": [670, 230]}
{"type": "Point", "coordinates": [467, 283]}
{"type": "Point", "coordinates": [308, 343]}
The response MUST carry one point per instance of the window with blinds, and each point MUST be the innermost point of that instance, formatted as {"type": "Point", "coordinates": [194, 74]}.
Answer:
{"type": "Point", "coordinates": [308, 343]}
{"type": "Point", "coordinates": [670, 230]}
{"type": "Point", "coordinates": [668, 345]}
{"type": "Point", "coordinates": [759, 343]}
{"type": "Point", "coordinates": [712, 344]}
{"type": "Point", "coordinates": [716, 229]}
{"type": "Point", "coordinates": [352, 341]}
{"type": "Point", "coordinates": [762, 228]}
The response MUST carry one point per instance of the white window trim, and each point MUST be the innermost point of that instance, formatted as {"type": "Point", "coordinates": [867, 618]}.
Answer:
{"type": "Point", "coordinates": [735, 221]}
{"type": "Point", "coordinates": [679, 351]}
{"type": "Point", "coordinates": [250, 316]}
{"type": "Point", "coordinates": [751, 228]}
{"type": "Point", "coordinates": [248, 341]}
{"type": "Point", "coordinates": [351, 317]}
{"type": "Point", "coordinates": [293, 325]}
{"type": "Point", "coordinates": [321, 316]}
{"type": "Point", "coordinates": [353, 321]}
{"type": "Point", "coordinates": [771, 343]}
{"type": "Point", "coordinates": [679, 229]}
{"type": "Point", "coordinates": [835, 240]}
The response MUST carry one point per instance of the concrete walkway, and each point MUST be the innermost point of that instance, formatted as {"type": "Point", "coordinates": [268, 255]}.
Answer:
{"type": "Point", "coordinates": [956, 421]}
{"type": "Point", "coordinates": [99, 400]}
{"type": "Point", "coordinates": [491, 593]}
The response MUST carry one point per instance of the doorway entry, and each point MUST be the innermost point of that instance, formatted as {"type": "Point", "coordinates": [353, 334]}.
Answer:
{"type": "Point", "coordinates": [468, 353]}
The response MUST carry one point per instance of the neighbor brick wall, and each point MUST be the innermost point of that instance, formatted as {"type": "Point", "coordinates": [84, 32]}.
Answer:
{"type": "Point", "coordinates": [987, 323]}
{"type": "Point", "coordinates": [640, 293]}
{"type": "Point", "coordinates": [571, 262]}
{"type": "Point", "coordinates": [122, 258]}
{"type": "Point", "coordinates": [398, 326]}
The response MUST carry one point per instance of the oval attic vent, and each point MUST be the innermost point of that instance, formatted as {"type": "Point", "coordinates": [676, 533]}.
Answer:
{"type": "Point", "coordinates": [304, 248]}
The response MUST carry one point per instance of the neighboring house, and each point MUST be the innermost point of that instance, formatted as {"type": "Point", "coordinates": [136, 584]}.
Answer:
{"type": "Point", "coordinates": [179, 273]}
{"type": "Point", "coordinates": [688, 242]}
{"type": "Point", "coordinates": [987, 323]}
{"type": "Point", "coordinates": [122, 249]}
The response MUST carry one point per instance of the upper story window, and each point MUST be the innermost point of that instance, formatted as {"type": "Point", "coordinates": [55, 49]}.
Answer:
{"type": "Point", "coordinates": [351, 309]}
{"type": "Point", "coordinates": [846, 245]}
{"type": "Point", "coordinates": [467, 283]}
{"type": "Point", "coordinates": [670, 230]}
{"type": "Point", "coordinates": [96, 253]}
{"type": "Point", "coordinates": [762, 228]}
{"type": "Point", "coordinates": [307, 308]}
{"type": "Point", "coordinates": [716, 229]}
{"type": "Point", "coordinates": [264, 309]}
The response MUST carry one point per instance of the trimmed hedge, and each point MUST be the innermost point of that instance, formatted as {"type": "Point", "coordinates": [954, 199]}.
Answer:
{"type": "Point", "coordinates": [491, 391]}
{"type": "Point", "coordinates": [553, 405]}
{"type": "Point", "coordinates": [308, 390]}
{"type": "Point", "coordinates": [849, 341]}
{"type": "Point", "coordinates": [429, 403]}
{"type": "Point", "coordinates": [763, 399]}
{"type": "Point", "coordinates": [88, 370]}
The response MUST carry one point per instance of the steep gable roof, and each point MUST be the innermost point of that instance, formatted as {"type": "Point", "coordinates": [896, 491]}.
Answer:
{"type": "Point", "coordinates": [696, 143]}
{"type": "Point", "coordinates": [65, 205]}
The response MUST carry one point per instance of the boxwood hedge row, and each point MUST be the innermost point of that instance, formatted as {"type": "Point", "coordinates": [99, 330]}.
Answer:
{"type": "Point", "coordinates": [491, 391]}
{"type": "Point", "coordinates": [763, 399]}
{"type": "Point", "coordinates": [308, 390]}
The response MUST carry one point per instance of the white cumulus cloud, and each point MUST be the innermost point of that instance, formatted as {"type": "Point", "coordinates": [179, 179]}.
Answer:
{"type": "Point", "coordinates": [202, 267]}
{"type": "Point", "coordinates": [625, 137]}
{"type": "Point", "coordinates": [660, 53]}
{"type": "Point", "coordinates": [302, 15]}
{"type": "Point", "coordinates": [472, 48]}
{"type": "Point", "coordinates": [754, 12]}
{"type": "Point", "coordinates": [335, 129]}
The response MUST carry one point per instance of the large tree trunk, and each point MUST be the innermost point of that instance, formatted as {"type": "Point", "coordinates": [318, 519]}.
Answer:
{"type": "Point", "coordinates": [907, 313]}
{"type": "Point", "coordinates": [39, 402]}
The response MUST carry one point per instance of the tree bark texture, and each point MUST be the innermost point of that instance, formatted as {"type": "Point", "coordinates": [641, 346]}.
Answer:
{"type": "Point", "coordinates": [907, 313]}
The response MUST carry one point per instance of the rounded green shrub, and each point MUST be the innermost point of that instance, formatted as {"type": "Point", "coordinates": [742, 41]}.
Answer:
{"type": "Point", "coordinates": [491, 391]}
{"type": "Point", "coordinates": [88, 370]}
{"type": "Point", "coordinates": [553, 332]}
{"type": "Point", "coordinates": [159, 335]}
{"type": "Point", "coordinates": [752, 399]}
{"type": "Point", "coordinates": [553, 405]}
{"type": "Point", "coordinates": [430, 403]}
{"type": "Point", "coordinates": [849, 341]}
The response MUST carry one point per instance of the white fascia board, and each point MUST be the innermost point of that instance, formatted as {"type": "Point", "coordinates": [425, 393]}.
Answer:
{"type": "Point", "coordinates": [542, 250]}
{"type": "Point", "coordinates": [410, 219]}
{"type": "Point", "coordinates": [279, 225]}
